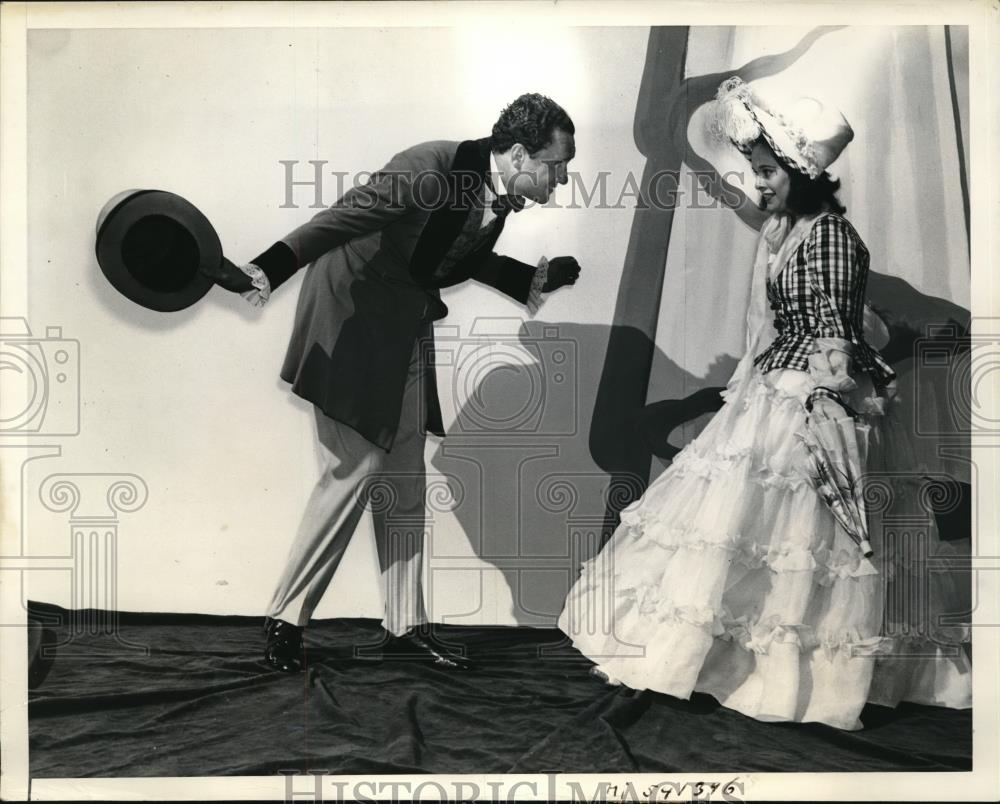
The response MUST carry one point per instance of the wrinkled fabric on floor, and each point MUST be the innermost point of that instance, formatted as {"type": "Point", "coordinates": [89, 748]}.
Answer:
{"type": "Point", "coordinates": [188, 695]}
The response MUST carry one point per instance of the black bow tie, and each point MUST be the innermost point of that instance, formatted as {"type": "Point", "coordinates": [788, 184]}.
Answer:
{"type": "Point", "coordinates": [503, 205]}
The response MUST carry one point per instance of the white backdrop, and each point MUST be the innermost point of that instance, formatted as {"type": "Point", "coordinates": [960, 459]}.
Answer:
{"type": "Point", "coordinates": [191, 403]}
{"type": "Point", "coordinates": [900, 183]}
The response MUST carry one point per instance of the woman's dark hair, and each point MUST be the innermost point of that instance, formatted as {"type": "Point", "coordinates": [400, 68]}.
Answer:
{"type": "Point", "coordinates": [808, 196]}
{"type": "Point", "coordinates": [530, 120]}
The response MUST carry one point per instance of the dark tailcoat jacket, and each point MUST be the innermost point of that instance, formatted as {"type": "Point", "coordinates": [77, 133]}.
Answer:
{"type": "Point", "coordinates": [379, 257]}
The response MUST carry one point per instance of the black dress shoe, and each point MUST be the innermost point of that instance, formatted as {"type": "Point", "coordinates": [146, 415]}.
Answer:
{"type": "Point", "coordinates": [420, 644]}
{"type": "Point", "coordinates": [283, 645]}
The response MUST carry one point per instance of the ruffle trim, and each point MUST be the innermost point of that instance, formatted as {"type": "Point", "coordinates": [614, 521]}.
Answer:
{"type": "Point", "coordinates": [535, 297]}
{"type": "Point", "coordinates": [261, 292]}
{"type": "Point", "coordinates": [692, 462]}
{"type": "Point", "coordinates": [748, 461]}
{"type": "Point", "coordinates": [829, 565]}
{"type": "Point", "coordinates": [760, 389]}
{"type": "Point", "coordinates": [759, 637]}
{"type": "Point", "coordinates": [728, 457]}
{"type": "Point", "coordinates": [832, 564]}
{"type": "Point", "coordinates": [870, 407]}
{"type": "Point", "coordinates": [785, 556]}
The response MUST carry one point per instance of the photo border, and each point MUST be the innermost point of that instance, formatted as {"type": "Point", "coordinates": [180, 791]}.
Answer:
{"type": "Point", "coordinates": [983, 19]}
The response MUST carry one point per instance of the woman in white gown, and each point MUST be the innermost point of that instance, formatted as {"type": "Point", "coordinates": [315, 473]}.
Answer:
{"type": "Point", "coordinates": [730, 575]}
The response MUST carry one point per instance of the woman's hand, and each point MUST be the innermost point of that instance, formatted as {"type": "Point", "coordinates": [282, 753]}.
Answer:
{"type": "Point", "coordinates": [829, 368]}
{"type": "Point", "coordinates": [830, 365]}
{"type": "Point", "coordinates": [826, 409]}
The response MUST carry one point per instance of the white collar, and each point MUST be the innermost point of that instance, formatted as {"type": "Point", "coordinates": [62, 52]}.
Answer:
{"type": "Point", "coordinates": [495, 178]}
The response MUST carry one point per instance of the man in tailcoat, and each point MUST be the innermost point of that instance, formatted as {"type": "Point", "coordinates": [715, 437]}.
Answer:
{"type": "Point", "coordinates": [361, 349]}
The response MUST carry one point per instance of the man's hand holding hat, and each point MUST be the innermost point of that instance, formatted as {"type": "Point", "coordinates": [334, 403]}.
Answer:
{"type": "Point", "coordinates": [229, 276]}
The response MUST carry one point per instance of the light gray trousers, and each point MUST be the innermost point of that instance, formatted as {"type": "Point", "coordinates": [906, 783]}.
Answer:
{"type": "Point", "coordinates": [356, 475]}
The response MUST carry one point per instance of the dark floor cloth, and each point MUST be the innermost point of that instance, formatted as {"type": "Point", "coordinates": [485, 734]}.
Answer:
{"type": "Point", "coordinates": [188, 695]}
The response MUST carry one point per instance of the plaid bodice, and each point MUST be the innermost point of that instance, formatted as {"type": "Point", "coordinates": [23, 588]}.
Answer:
{"type": "Point", "coordinates": [820, 292]}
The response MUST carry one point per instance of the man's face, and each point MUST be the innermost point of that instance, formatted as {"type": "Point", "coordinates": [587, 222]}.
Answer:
{"type": "Point", "coordinates": [536, 176]}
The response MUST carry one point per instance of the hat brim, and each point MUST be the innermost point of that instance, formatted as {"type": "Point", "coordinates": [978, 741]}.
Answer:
{"type": "Point", "coordinates": [781, 142]}
{"type": "Point", "coordinates": [152, 246]}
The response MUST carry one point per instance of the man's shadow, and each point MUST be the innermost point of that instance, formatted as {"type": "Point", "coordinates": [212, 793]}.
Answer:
{"type": "Point", "coordinates": [520, 458]}
{"type": "Point", "coordinates": [531, 455]}
{"type": "Point", "coordinates": [543, 460]}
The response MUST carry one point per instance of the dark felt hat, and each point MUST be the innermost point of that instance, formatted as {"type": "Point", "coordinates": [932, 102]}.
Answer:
{"type": "Point", "coordinates": [151, 245]}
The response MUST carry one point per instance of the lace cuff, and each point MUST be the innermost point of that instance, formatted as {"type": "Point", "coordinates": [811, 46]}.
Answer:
{"type": "Point", "coordinates": [535, 298]}
{"type": "Point", "coordinates": [261, 286]}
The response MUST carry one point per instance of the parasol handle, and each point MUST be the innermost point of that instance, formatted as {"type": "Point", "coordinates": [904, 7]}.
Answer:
{"type": "Point", "coordinates": [866, 548]}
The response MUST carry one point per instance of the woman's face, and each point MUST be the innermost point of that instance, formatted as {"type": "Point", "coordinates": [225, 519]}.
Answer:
{"type": "Point", "coordinates": [770, 179]}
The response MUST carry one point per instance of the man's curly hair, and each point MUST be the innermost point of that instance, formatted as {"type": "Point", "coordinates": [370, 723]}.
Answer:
{"type": "Point", "coordinates": [530, 120]}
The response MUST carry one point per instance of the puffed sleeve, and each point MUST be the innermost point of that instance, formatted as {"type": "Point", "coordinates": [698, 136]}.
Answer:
{"type": "Point", "coordinates": [833, 264]}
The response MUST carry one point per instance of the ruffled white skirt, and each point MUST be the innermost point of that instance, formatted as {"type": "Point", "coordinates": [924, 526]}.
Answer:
{"type": "Point", "coordinates": [730, 576]}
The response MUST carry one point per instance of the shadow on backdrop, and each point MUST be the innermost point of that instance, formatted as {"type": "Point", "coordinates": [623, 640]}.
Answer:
{"type": "Point", "coordinates": [523, 482]}
{"type": "Point", "coordinates": [543, 501]}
